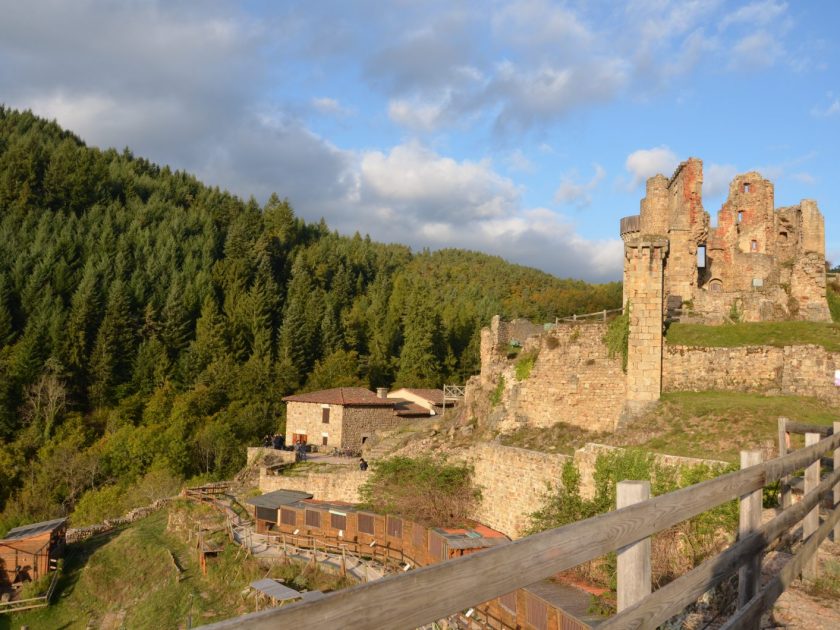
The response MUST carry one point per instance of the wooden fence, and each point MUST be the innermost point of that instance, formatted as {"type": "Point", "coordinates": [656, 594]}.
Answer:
{"type": "Point", "coordinates": [602, 315]}
{"type": "Point", "coordinates": [32, 602]}
{"type": "Point", "coordinates": [424, 595]}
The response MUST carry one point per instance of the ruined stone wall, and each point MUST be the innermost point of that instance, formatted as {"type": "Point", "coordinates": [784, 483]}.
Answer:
{"type": "Point", "coordinates": [644, 258]}
{"type": "Point", "coordinates": [574, 380]}
{"type": "Point", "coordinates": [339, 484]}
{"type": "Point", "coordinates": [792, 370]}
{"type": "Point", "coordinates": [496, 340]}
{"type": "Point", "coordinates": [362, 422]}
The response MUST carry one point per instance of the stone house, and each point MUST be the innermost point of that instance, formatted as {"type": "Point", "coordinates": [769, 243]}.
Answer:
{"type": "Point", "coordinates": [344, 417]}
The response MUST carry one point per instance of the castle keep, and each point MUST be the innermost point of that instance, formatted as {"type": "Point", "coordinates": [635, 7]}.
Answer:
{"type": "Point", "coordinates": [760, 263]}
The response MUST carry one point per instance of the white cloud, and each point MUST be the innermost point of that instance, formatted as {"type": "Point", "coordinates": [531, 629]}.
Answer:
{"type": "Point", "coordinates": [754, 51]}
{"type": "Point", "coordinates": [755, 13]}
{"type": "Point", "coordinates": [804, 178]}
{"type": "Point", "coordinates": [517, 161]}
{"type": "Point", "coordinates": [329, 107]}
{"type": "Point", "coordinates": [716, 179]}
{"type": "Point", "coordinates": [577, 193]}
{"type": "Point", "coordinates": [832, 109]}
{"type": "Point", "coordinates": [416, 115]}
{"type": "Point", "coordinates": [645, 163]}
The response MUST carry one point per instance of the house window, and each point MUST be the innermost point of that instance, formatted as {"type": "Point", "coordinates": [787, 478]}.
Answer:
{"type": "Point", "coordinates": [313, 518]}
{"type": "Point", "coordinates": [394, 527]}
{"type": "Point", "coordinates": [746, 188]}
{"type": "Point", "coordinates": [508, 602]}
{"type": "Point", "coordinates": [338, 521]}
{"type": "Point", "coordinates": [753, 246]}
{"type": "Point", "coordinates": [288, 517]}
{"type": "Point", "coordinates": [366, 523]}
{"type": "Point", "coordinates": [324, 440]}
{"type": "Point", "coordinates": [325, 415]}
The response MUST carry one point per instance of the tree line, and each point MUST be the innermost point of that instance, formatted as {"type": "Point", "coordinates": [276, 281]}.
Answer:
{"type": "Point", "coordinates": [150, 323]}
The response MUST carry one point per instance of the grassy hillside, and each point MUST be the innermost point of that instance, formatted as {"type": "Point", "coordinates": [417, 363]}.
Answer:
{"type": "Point", "coordinates": [756, 334]}
{"type": "Point", "coordinates": [128, 580]}
{"type": "Point", "coordinates": [714, 425]}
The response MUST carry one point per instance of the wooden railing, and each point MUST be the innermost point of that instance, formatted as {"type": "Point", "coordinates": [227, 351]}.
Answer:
{"type": "Point", "coordinates": [32, 602]}
{"type": "Point", "coordinates": [436, 591]}
{"type": "Point", "coordinates": [602, 315]}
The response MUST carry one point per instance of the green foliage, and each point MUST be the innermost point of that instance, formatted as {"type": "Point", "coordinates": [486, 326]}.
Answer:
{"type": "Point", "coordinates": [428, 490]}
{"type": "Point", "coordinates": [176, 317]}
{"type": "Point", "coordinates": [496, 394]}
{"type": "Point", "coordinates": [790, 333]}
{"type": "Point", "coordinates": [734, 313]}
{"type": "Point", "coordinates": [832, 294]}
{"type": "Point", "coordinates": [525, 363]}
{"type": "Point", "coordinates": [617, 336]}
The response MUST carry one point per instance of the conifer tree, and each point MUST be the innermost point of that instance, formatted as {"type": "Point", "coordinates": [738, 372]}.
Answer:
{"type": "Point", "coordinates": [113, 351]}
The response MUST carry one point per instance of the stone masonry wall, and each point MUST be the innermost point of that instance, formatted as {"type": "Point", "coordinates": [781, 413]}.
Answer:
{"type": "Point", "coordinates": [341, 484]}
{"type": "Point", "coordinates": [304, 417]}
{"type": "Point", "coordinates": [792, 370]}
{"type": "Point", "coordinates": [644, 258]}
{"type": "Point", "coordinates": [362, 422]}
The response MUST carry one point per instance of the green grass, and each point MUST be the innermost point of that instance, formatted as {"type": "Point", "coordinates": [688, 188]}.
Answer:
{"type": "Point", "coordinates": [127, 579]}
{"type": "Point", "coordinates": [756, 334]}
{"type": "Point", "coordinates": [718, 425]}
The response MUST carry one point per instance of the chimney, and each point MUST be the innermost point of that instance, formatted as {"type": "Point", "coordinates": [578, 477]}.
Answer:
{"type": "Point", "coordinates": [382, 392]}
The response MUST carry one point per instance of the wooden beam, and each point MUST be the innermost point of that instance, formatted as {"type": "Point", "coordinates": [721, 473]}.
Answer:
{"type": "Point", "coordinates": [784, 484]}
{"type": "Point", "coordinates": [749, 575]}
{"type": "Point", "coordinates": [812, 520]}
{"type": "Point", "coordinates": [633, 560]}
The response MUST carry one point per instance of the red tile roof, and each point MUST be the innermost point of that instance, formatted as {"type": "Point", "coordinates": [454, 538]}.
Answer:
{"type": "Point", "coordinates": [347, 396]}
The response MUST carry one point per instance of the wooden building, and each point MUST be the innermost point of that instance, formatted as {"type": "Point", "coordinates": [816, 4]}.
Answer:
{"type": "Point", "coordinates": [304, 521]}
{"type": "Point", "coordinates": [30, 551]}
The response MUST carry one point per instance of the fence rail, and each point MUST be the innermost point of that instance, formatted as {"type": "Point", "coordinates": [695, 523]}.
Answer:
{"type": "Point", "coordinates": [602, 315]}
{"type": "Point", "coordinates": [32, 602]}
{"type": "Point", "coordinates": [436, 591]}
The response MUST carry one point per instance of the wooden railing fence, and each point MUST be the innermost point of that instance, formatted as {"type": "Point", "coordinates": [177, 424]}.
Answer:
{"type": "Point", "coordinates": [602, 315]}
{"type": "Point", "coordinates": [430, 593]}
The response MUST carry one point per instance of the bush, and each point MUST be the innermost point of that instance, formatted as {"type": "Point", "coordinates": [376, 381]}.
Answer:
{"type": "Point", "coordinates": [617, 337]}
{"type": "Point", "coordinates": [833, 297]}
{"type": "Point", "coordinates": [525, 364]}
{"type": "Point", "coordinates": [428, 490]}
{"type": "Point", "coordinates": [496, 394]}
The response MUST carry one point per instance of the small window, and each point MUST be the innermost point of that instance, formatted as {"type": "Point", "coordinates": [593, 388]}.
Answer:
{"type": "Point", "coordinates": [288, 517]}
{"type": "Point", "coordinates": [716, 286]}
{"type": "Point", "coordinates": [325, 415]}
{"type": "Point", "coordinates": [746, 188]}
{"type": "Point", "coordinates": [313, 518]}
{"type": "Point", "coordinates": [394, 527]}
{"type": "Point", "coordinates": [338, 521]}
{"type": "Point", "coordinates": [508, 602]}
{"type": "Point", "coordinates": [701, 256]}
{"type": "Point", "coordinates": [365, 523]}
{"type": "Point", "coordinates": [783, 236]}
{"type": "Point", "coordinates": [324, 440]}
{"type": "Point", "coordinates": [753, 246]}
{"type": "Point", "coordinates": [740, 217]}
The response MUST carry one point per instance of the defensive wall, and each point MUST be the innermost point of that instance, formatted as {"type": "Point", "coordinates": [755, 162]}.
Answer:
{"type": "Point", "coordinates": [513, 481]}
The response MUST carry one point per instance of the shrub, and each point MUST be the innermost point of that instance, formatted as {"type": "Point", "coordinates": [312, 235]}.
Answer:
{"type": "Point", "coordinates": [833, 297]}
{"type": "Point", "coordinates": [496, 394]}
{"type": "Point", "coordinates": [525, 364]}
{"type": "Point", "coordinates": [428, 490]}
{"type": "Point", "coordinates": [617, 336]}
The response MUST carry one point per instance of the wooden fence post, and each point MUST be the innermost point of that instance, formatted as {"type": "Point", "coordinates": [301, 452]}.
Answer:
{"type": "Point", "coordinates": [784, 482]}
{"type": "Point", "coordinates": [633, 560]}
{"type": "Point", "coordinates": [812, 520]}
{"type": "Point", "coordinates": [837, 487]}
{"type": "Point", "coordinates": [749, 575]}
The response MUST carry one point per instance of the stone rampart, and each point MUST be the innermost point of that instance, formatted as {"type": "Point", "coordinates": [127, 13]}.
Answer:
{"type": "Point", "coordinates": [806, 370]}
{"type": "Point", "coordinates": [341, 483]}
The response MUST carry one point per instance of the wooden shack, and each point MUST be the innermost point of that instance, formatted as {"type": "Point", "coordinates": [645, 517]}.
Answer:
{"type": "Point", "coordinates": [268, 505]}
{"type": "Point", "coordinates": [29, 551]}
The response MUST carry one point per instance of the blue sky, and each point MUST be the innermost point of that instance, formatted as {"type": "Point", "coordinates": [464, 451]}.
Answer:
{"type": "Point", "coordinates": [523, 128]}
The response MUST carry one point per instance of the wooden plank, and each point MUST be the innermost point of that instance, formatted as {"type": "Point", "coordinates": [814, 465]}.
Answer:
{"type": "Point", "coordinates": [633, 560]}
{"type": "Point", "coordinates": [433, 592]}
{"type": "Point", "coordinates": [812, 520]}
{"type": "Point", "coordinates": [675, 596]}
{"type": "Point", "coordinates": [799, 427]}
{"type": "Point", "coordinates": [752, 612]}
{"type": "Point", "coordinates": [749, 521]}
{"type": "Point", "coordinates": [837, 486]}
{"type": "Point", "coordinates": [784, 484]}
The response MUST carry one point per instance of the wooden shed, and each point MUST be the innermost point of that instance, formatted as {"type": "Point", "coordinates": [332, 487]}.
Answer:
{"type": "Point", "coordinates": [27, 552]}
{"type": "Point", "coordinates": [268, 505]}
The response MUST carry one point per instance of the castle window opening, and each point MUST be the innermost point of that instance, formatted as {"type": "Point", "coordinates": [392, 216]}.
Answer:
{"type": "Point", "coordinates": [716, 285]}
{"type": "Point", "coordinates": [746, 188]}
{"type": "Point", "coordinates": [753, 246]}
{"type": "Point", "coordinates": [740, 217]}
{"type": "Point", "coordinates": [782, 236]}
{"type": "Point", "coordinates": [701, 256]}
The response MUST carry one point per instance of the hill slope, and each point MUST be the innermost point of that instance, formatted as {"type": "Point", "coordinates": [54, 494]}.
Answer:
{"type": "Point", "coordinates": [149, 322]}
